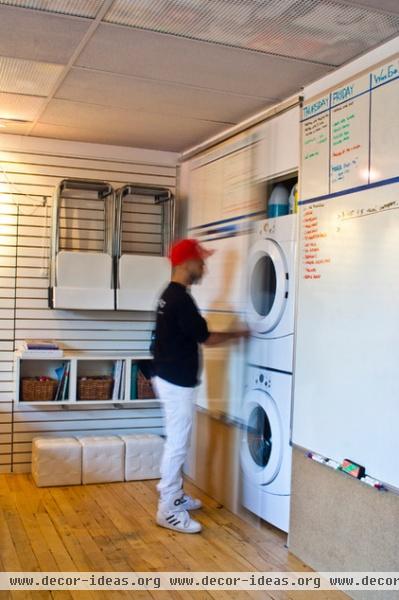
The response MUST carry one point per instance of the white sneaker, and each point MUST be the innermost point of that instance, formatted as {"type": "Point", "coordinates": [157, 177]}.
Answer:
{"type": "Point", "coordinates": [189, 503]}
{"type": "Point", "coordinates": [178, 520]}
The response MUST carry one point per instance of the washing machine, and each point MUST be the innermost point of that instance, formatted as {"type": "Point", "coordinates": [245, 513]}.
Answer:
{"type": "Point", "coordinates": [271, 293]}
{"type": "Point", "coordinates": [265, 453]}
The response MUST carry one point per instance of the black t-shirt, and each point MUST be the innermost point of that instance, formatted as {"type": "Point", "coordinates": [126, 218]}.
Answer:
{"type": "Point", "coordinates": [178, 332]}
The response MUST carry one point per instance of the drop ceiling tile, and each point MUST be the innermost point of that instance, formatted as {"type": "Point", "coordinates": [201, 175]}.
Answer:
{"type": "Point", "coordinates": [163, 98]}
{"type": "Point", "coordinates": [27, 77]}
{"type": "Point", "coordinates": [35, 35]}
{"type": "Point", "coordinates": [389, 6]}
{"type": "Point", "coordinates": [79, 8]}
{"type": "Point", "coordinates": [91, 123]}
{"type": "Point", "coordinates": [168, 58]}
{"type": "Point", "coordinates": [309, 29]}
{"type": "Point", "coordinates": [14, 106]}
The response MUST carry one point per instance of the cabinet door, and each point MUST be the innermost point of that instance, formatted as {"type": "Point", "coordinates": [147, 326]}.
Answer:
{"type": "Point", "coordinates": [277, 150]}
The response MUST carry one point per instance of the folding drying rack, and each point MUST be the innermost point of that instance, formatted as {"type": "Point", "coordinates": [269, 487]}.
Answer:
{"type": "Point", "coordinates": [108, 249]}
{"type": "Point", "coordinates": [141, 266]}
{"type": "Point", "coordinates": [81, 267]}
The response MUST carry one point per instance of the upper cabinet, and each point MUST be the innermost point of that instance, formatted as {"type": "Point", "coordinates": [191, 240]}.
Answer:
{"type": "Point", "coordinates": [276, 151]}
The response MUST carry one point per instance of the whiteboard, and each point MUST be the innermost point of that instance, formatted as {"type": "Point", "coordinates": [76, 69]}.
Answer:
{"type": "Point", "coordinates": [346, 382]}
{"type": "Point", "coordinates": [221, 186]}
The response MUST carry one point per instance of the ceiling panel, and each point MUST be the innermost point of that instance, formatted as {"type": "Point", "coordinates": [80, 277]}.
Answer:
{"type": "Point", "coordinates": [14, 106]}
{"type": "Point", "coordinates": [168, 58]}
{"type": "Point", "coordinates": [164, 98]}
{"type": "Point", "coordinates": [27, 77]}
{"type": "Point", "coordinates": [324, 31]}
{"type": "Point", "coordinates": [39, 36]}
{"type": "Point", "coordinates": [390, 6]}
{"type": "Point", "coordinates": [79, 8]}
{"type": "Point", "coordinates": [92, 123]}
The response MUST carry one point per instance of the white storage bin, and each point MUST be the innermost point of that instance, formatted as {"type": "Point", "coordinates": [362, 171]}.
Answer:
{"type": "Point", "coordinates": [143, 453]}
{"type": "Point", "coordinates": [84, 280]}
{"type": "Point", "coordinates": [56, 461]}
{"type": "Point", "coordinates": [141, 281]}
{"type": "Point", "coordinates": [103, 458]}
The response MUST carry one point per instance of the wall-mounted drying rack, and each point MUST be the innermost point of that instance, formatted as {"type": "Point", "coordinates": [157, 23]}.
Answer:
{"type": "Point", "coordinates": [81, 274]}
{"type": "Point", "coordinates": [108, 249]}
{"type": "Point", "coordinates": [144, 228]}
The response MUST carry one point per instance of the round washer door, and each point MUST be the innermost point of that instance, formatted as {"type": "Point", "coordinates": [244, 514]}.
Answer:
{"type": "Point", "coordinates": [267, 286]}
{"type": "Point", "coordinates": [262, 444]}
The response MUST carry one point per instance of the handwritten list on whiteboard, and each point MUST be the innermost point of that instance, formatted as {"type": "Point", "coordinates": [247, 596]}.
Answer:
{"type": "Point", "coordinates": [315, 148]}
{"type": "Point", "coordinates": [350, 135]}
{"type": "Point", "coordinates": [349, 145]}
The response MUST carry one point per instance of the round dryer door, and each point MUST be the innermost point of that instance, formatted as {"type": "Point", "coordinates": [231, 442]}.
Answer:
{"type": "Point", "coordinates": [262, 445]}
{"type": "Point", "coordinates": [267, 286]}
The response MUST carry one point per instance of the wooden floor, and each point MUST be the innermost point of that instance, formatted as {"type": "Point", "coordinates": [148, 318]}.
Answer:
{"type": "Point", "coordinates": [111, 527]}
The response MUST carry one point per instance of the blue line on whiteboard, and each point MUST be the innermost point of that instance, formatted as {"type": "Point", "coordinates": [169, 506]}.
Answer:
{"type": "Point", "coordinates": [316, 115]}
{"type": "Point", "coordinates": [223, 229]}
{"type": "Point", "coordinates": [349, 99]}
{"type": "Point", "coordinates": [313, 109]}
{"type": "Point", "coordinates": [329, 149]}
{"type": "Point", "coordinates": [230, 220]}
{"type": "Point", "coordinates": [386, 75]}
{"type": "Point", "coordinates": [354, 190]}
{"type": "Point", "coordinates": [370, 101]}
{"type": "Point", "coordinates": [339, 104]}
{"type": "Point", "coordinates": [374, 87]}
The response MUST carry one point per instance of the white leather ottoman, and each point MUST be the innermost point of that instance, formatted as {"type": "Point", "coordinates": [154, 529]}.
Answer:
{"type": "Point", "coordinates": [143, 454]}
{"type": "Point", "coordinates": [103, 458]}
{"type": "Point", "coordinates": [56, 461]}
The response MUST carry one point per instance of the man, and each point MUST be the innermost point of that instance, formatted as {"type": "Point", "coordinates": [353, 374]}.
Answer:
{"type": "Point", "coordinates": [180, 329]}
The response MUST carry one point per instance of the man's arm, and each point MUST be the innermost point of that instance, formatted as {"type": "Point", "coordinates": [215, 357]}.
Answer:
{"type": "Point", "coordinates": [217, 338]}
{"type": "Point", "coordinates": [190, 320]}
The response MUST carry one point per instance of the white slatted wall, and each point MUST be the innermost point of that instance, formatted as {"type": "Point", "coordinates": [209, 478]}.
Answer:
{"type": "Point", "coordinates": [29, 170]}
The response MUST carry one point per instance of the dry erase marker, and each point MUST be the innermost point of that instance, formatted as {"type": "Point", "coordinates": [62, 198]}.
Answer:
{"type": "Point", "coordinates": [332, 463]}
{"type": "Point", "coordinates": [372, 482]}
{"type": "Point", "coordinates": [316, 457]}
{"type": "Point", "coordinates": [323, 461]}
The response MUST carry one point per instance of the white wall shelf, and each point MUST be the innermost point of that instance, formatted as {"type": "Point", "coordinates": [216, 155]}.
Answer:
{"type": "Point", "coordinates": [81, 364]}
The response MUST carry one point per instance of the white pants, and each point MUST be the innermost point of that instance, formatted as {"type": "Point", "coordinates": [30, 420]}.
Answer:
{"type": "Point", "coordinates": [178, 405]}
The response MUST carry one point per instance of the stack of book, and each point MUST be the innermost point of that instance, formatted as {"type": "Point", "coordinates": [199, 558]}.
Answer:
{"type": "Point", "coordinates": [40, 349]}
{"type": "Point", "coordinates": [118, 391]}
{"type": "Point", "coordinates": [62, 374]}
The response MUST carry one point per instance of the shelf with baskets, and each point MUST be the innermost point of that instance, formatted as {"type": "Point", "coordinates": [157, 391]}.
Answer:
{"type": "Point", "coordinates": [82, 379]}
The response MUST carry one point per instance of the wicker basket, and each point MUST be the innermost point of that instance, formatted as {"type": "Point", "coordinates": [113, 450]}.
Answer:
{"type": "Point", "coordinates": [95, 388]}
{"type": "Point", "coordinates": [34, 390]}
{"type": "Point", "coordinates": [145, 390]}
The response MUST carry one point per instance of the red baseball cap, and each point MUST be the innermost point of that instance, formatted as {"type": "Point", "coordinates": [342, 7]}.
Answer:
{"type": "Point", "coordinates": [188, 249]}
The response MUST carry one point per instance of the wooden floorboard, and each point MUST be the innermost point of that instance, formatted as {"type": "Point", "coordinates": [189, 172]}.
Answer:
{"type": "Point", "coordinates": [111, 527]}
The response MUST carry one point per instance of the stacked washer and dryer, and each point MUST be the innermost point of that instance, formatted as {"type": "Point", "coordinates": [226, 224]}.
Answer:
{"type": "Point", "coordinates": [266, 410]}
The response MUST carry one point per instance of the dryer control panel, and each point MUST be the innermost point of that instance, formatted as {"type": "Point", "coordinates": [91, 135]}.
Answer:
{"type": "Point", "coordinates": [267, 227]}
{"type": "Point", "coordinates": [263, 381]}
